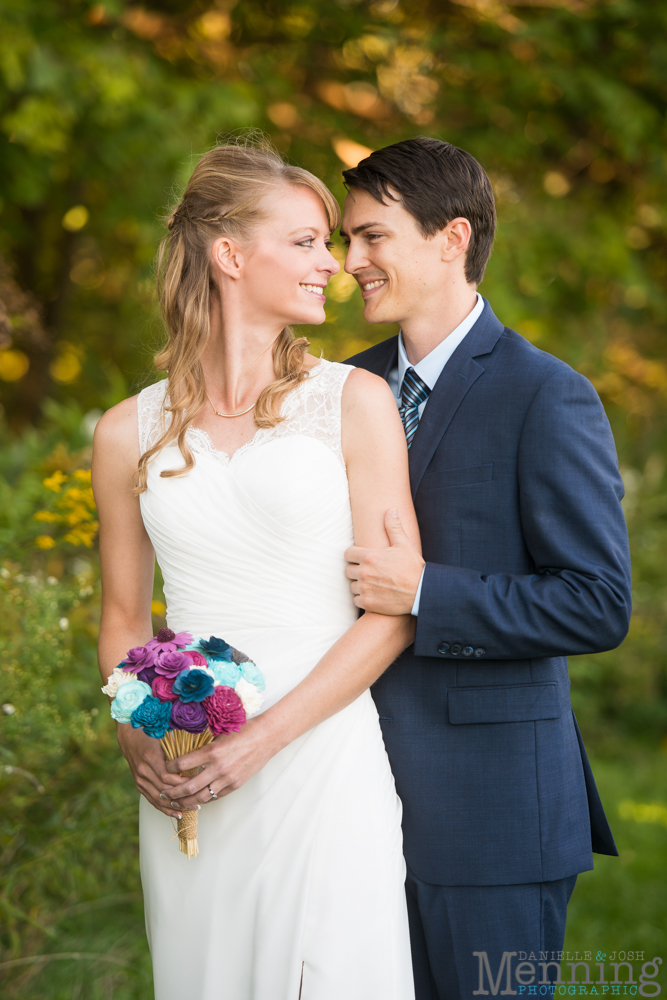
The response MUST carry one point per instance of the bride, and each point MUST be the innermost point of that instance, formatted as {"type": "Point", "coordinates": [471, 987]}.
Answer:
{"type": "Point", "coordinates": [248, 472]}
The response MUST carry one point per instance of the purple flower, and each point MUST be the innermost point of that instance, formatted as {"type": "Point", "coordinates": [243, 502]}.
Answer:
{"type": "Point", "coordinates": [193, 685]}
{"type": "Point", "coordinates": [216, 649]}
{"type": "Point", "coordinates": [171, 664]}
{"type": "Point", "coordinates": [139, 656]}
{"type": "Point", "coordinates": [153, 716]}
{"type": "Point", "coordinates": [167, 641]}
{"type": "Point", "coordinates": [224, 711]}
{"type": "Point", "coordinates": [147, 675]}
{"type": "Point", "coordinates": [189, 716]}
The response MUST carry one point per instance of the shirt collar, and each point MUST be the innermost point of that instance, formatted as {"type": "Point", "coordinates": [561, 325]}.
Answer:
{"type": "Point", "coordinates": [430, 368]}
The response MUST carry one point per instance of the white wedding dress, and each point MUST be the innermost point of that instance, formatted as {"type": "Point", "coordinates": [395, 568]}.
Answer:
{"type": "Point", "coordinates": [298, 889]}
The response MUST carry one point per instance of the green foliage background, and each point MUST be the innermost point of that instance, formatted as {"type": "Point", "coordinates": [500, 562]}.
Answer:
{"type": "Point", "coordinates": [102, 109]}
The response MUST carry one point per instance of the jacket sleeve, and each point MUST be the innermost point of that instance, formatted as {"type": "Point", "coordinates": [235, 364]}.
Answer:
{"type": "Point", "coordinates": [578, 597]}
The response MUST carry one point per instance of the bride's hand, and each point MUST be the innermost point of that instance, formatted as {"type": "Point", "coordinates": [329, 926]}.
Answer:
{"type": "Point", "coordinates": [147, 764]}
{"type": "Point", "coordinates": [228, 762]}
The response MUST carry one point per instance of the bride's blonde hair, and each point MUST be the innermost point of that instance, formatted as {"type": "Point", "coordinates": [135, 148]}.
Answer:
{"type": "Point", "coordinates": [223, 198]}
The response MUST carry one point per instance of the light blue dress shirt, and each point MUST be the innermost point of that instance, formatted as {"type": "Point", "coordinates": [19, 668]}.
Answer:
{"type": "Point", "coordinates": [429, 370]}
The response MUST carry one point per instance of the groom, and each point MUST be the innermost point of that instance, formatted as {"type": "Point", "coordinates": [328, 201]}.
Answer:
{"type": "Point", "coordinates": [516, 486]}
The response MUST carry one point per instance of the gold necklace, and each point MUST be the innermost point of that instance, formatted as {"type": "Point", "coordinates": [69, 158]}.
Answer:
{"type": "Point", "coordinates": [218, 414]}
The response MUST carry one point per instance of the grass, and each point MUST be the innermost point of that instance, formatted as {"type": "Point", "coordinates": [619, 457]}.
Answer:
{"type": "Point", "coordinates": [622, 905]}
{"type": "Point", "coordinates": [96, 948]}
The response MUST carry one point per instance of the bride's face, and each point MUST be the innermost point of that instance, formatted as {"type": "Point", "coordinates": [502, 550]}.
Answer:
{"type": "Point", "coordinates": [288, 263]}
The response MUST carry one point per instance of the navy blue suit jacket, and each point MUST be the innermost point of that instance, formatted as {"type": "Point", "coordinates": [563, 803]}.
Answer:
{"type": "Point", "coordinates": [516, 486]}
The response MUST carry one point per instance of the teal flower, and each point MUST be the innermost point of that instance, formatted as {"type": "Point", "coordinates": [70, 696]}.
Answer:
{"type": "Point", "coordinates": [153, 716]}
{"type": "Point", "coordinates": [129, 697]}
{"type": "Point", "coordinates": [215, 649]}
{"type": "Point", "coordinates": [228, 674]}
{"type": "Point", "coordinates": [193, 685]}
{"type": "Point", "coordinates": [253, 675]}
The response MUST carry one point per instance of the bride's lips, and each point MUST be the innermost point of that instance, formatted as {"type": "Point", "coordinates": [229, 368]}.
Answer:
{"type": "Point", "coordinates": [369, 288]}
{"type": "Point", "coordinates": [316, 290]}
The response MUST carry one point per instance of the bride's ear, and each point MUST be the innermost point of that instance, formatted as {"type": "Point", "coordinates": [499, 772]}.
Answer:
{"type": "Point", "coordinates": [227, 257]}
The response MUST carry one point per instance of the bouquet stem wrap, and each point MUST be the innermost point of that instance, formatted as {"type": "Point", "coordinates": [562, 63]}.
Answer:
{"type": "Point", "coordinates": [175, 744]}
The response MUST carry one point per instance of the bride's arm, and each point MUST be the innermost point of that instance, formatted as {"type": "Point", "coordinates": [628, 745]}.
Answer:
{"type": "Point", "coordinates": [127, 563]}
{"type": "Point", "coordinates": [377, 465]}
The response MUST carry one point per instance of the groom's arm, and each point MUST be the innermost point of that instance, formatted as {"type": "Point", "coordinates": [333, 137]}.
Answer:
{"type": "Point", "coordinates": [578, 597]}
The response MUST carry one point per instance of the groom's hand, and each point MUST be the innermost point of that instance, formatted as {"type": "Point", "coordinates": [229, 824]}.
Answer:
{"type": "Point", "coordinates": [385, 581]}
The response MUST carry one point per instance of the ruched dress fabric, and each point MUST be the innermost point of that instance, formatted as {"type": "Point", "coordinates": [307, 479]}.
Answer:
{"type": "Point", "coordinates": [298, 888]}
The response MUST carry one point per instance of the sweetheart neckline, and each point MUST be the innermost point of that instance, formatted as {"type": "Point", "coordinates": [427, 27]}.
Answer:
{"type": "Point", "coordinates": [219, 452]}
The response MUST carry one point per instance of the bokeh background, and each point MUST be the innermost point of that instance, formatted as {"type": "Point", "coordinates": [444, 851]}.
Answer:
{"type": "Point", "coordinates": [103, 108]}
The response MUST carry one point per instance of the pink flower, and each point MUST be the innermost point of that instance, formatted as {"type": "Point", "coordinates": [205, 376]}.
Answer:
{"type": "Point", "coordinates": [139, 656]}
{"type": "Point", "coordinates": [197, 659]}
{"type": "Point", "coordinates": [163, 688]}
{"type": "Point", "coordinates": [224, 711]}
{"type": "Point", "coordinates": [167, 641]}
{"type": "Point", "coordinates": [173, 663]}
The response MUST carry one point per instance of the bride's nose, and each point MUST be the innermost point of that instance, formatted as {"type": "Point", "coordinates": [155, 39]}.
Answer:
{"type": "Point", "coordinates": [329, 265]}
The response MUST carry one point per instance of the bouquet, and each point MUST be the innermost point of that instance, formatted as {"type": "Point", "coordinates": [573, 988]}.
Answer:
{"type": "Point", "coordinates": [184, 692]}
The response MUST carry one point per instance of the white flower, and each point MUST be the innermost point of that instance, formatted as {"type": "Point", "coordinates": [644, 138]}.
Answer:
{"type": "Point", "coordinates": [64, 624]}
{"type": "Point", "coordinates": [8, 708]}
{"type": "Point", "coordinates": [250, 697]}
{"type": "Point", "coordinates": [115, 679]}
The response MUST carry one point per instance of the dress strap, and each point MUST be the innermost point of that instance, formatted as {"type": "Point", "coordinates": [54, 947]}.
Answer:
{"type": "Point", "coordinates": [150, 411]}
{"type": "Point", "coordinates": [315, 408]}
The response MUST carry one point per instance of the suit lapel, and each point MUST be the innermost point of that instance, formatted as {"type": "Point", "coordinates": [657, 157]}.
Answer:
{"type": "Point", "coordinates": [448, 393]}
{"type": "Point", "coordinates": [456, 379]}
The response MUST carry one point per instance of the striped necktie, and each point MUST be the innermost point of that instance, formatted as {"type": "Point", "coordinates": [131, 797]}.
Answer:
{"type": "Point", "coordinates": [414, 392]}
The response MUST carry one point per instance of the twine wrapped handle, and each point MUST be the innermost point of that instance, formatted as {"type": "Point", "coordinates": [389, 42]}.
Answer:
{"type": "Point", "coordinates": [175, 744]}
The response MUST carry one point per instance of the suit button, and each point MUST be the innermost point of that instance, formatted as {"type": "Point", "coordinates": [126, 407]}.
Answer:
{"type": "Point", "coordinates": [467, 650]}
{"type": "Point", "coordinates": [443, 648]}
{"type": "Point", "coordinates": [480, 652]}
{"type": "Point", "coordinates": [455, 649]}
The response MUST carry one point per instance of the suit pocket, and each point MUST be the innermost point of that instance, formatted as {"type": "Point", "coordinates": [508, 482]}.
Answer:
{"type": "Point", "coordinates": [503, 703]}
{"type": "Point", "coordinates": [446, 478]}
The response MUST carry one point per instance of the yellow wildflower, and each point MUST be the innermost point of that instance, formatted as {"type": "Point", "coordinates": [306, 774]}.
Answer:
{"type": "Point", "coordinates": [45, 542]}
{"type": "Point", "coordinates": [55, 482]}
{"type": "Point", "coordinates": [47, 517]}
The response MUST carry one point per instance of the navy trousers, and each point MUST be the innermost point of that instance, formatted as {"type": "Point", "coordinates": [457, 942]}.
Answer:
{"type": "Point", "coordinates": [448, 924]}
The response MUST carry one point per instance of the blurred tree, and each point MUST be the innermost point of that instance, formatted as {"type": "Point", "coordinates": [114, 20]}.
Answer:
{"type": "Point", "coordinates": [103, 105]}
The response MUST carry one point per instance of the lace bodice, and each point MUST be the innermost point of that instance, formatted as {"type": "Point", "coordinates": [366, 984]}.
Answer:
{"type": "Point", "coordinates": [312, 409]}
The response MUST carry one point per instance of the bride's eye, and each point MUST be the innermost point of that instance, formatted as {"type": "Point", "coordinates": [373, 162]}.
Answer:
{"type": "Point", "coordinates": [308, 243]}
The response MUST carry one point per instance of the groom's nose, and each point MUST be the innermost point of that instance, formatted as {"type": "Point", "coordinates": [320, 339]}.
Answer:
{"type": "Point", "coordinates": [356, 258]}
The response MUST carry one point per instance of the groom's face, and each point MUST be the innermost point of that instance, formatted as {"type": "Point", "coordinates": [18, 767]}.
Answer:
{"type": "Point", "coordinates": [397, 268]}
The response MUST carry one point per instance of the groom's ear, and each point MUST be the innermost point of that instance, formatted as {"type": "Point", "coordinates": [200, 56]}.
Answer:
{"type": "Point", "coordinates": [455, 239]}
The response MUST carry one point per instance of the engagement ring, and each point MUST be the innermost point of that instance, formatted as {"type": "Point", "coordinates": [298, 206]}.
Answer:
{"type": "Point", "coordinates": [213, 795]}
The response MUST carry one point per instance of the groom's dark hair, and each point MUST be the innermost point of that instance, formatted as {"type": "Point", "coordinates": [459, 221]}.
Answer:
{"type": "Point", "coordinates": [437, 182]}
